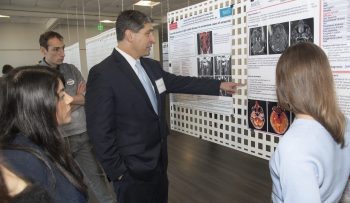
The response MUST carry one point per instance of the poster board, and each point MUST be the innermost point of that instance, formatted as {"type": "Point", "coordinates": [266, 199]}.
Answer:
{"type": "Point", "coordinates": [198, 46]}
{"type": "Point", "coordinates": [100, 46]}
{"type": "Point", "coordinates": [72, 55]}
{"type": "Point", "coordinates": [330, 27]}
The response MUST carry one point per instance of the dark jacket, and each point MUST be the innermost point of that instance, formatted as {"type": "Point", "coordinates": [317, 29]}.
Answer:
{"type": "Point", "coordinates": [28, 166]}
{"type": "Point", "coordinates": [126, 132]}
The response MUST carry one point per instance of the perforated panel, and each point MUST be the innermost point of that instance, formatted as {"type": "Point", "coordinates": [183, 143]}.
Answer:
{"type": "Point", "coordinates": [231, 131]}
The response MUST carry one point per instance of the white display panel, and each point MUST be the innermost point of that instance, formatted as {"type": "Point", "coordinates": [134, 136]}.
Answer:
{"type": "Point", "coordinates": [100, 46]}
{"type": "Point", "coordinates": [72, 55]}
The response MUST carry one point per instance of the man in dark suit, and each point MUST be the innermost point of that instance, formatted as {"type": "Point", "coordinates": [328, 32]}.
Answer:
{"type": "Point", "coordinates": [126, 117]}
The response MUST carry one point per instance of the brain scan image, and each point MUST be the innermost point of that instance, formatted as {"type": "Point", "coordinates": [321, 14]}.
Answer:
{"type": "Point", "coordinates": [279, 119]}
{"type": "Point", "coordinates": [278, 38]}
{"type": "Point", "coordinates": [257, 116]}
{"type": "Point", "coordinates": [258, 41]}
{"type": "Point", "coordinates": [302, 31]}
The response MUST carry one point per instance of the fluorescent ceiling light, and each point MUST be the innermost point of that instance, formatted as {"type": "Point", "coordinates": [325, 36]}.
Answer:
{"type": "Point", "coordinates": [147, 3]}
{"type": "Point", "coordinates": [3, 16]}
{"type": "Point", "coordinates": [107, 21]}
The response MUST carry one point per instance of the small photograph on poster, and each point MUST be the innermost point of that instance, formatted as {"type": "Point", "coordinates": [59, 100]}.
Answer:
{"type": "Point", "coordinates": [279, 118]}
{"type": "Point", "coordinates": [205, 42]}
{"type": "Point", "coordinates": [258, 41]}
{"type": "Point", "coordinates": [302, 31]}
{"type": "Point", "coordinates": [257, 114]}
{"type": "Point", "coordinates": [278, 37]}
{"type": "Point", "coordinates": [226, 78]}
{"type": "Point", "coordinates": [222, 65]}
{"type": "Point", "coordinates": [205, 66]}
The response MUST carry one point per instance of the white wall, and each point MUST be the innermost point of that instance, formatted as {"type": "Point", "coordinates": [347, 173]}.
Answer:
{"type": "Point", "coordinates": [19, 43]}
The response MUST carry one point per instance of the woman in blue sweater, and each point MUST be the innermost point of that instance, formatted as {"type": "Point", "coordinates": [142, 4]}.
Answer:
{"type": "Point", "coordinates": [33, 104]}
{"type": "Point", "coordinates": [312, 161]}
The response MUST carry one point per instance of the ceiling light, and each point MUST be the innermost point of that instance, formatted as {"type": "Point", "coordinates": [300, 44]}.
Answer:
{"type": "Point", "coordinates": [147, 3]}
{"type": "Point", "coordinates": [3, 16]}
{"type": "Point", "coordinates": [107, 21]}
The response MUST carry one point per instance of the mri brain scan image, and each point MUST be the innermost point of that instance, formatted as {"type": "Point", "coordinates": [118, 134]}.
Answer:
{"type": "Point", "coordinates": [257, 116]}
{"type": "Point", "coordinates": [278, 38]}
{"type": "Point", "coordinates": [258, 41]}
{"type": "Point", "coordinates": [302, 31]}
{"type": "Point", "coordinates": [279, 120]}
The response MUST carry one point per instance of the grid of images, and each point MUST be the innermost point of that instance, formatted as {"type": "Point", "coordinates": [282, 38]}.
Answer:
{"type": "Point", "coordinates": [268, 117]}
{"type": "Point", "coordinates": [217, 67]}
{"type": "Point", "coordinates": [210, 65]}
{"type": "Point", "coordinates": [275, 38]}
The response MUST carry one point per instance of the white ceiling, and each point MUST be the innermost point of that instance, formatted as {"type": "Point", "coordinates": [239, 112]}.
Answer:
{"type": "Point", "coordinates": [54, 12]}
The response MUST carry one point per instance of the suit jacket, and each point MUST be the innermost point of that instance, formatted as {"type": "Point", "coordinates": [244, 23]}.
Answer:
{"type": "Point", "coordinates": [125, 131]}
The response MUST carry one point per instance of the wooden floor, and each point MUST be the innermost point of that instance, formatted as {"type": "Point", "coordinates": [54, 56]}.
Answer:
{"type": "Point", "coordinates": [203, 172]}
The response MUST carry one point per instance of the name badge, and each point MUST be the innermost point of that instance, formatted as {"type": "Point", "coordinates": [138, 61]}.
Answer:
{"type": "Point", "coordinates": [70, 82]}
{"type": "Point", "coordinates": [160, 85]}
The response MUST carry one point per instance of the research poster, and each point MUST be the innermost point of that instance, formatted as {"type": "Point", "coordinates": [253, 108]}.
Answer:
{"type": "Point", "coordinates": [336, 44]}
{"type": "Point", "coordinates": [72, 55]}
{"type": "Point", "coordinates": [100, 46]}
{"type": "Point", "coordinates": [274, 26]}
{"type": "Point", "coordinates": [200, 46]}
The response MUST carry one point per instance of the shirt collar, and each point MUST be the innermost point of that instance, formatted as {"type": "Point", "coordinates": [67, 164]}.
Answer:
{"type": "Point", "coordinates": [128, 58]}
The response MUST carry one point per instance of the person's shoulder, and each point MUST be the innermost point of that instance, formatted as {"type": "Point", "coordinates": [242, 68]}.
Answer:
{"type": "Point", "coordinates": [104, 64]}
{"type": "Point", "coordinates": [28, 160]}
{"type": "Point", "coordinates": [27, 151]}
{"type": "Point", "coordinates": [69, 66]}
{"type": "Point", "coordinates": [25, 163]}
{"type": "Point", "coordinates": [298, 137]}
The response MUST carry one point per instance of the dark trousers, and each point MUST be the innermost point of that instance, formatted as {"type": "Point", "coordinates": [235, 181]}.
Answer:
{"type": "Point", "coordinates": [132, 190]}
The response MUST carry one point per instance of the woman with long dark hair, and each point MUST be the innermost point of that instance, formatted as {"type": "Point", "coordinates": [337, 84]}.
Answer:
{"type": "Point", "coordinates": [312, 160]}
{"type": "Point", "coordinates": [34, 103]}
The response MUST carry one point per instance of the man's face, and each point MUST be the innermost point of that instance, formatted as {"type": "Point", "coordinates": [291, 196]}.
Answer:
{"type": "Point", "coordinates": [54, 54]}
{"type": "Point", "coordinates": [144, 40]}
